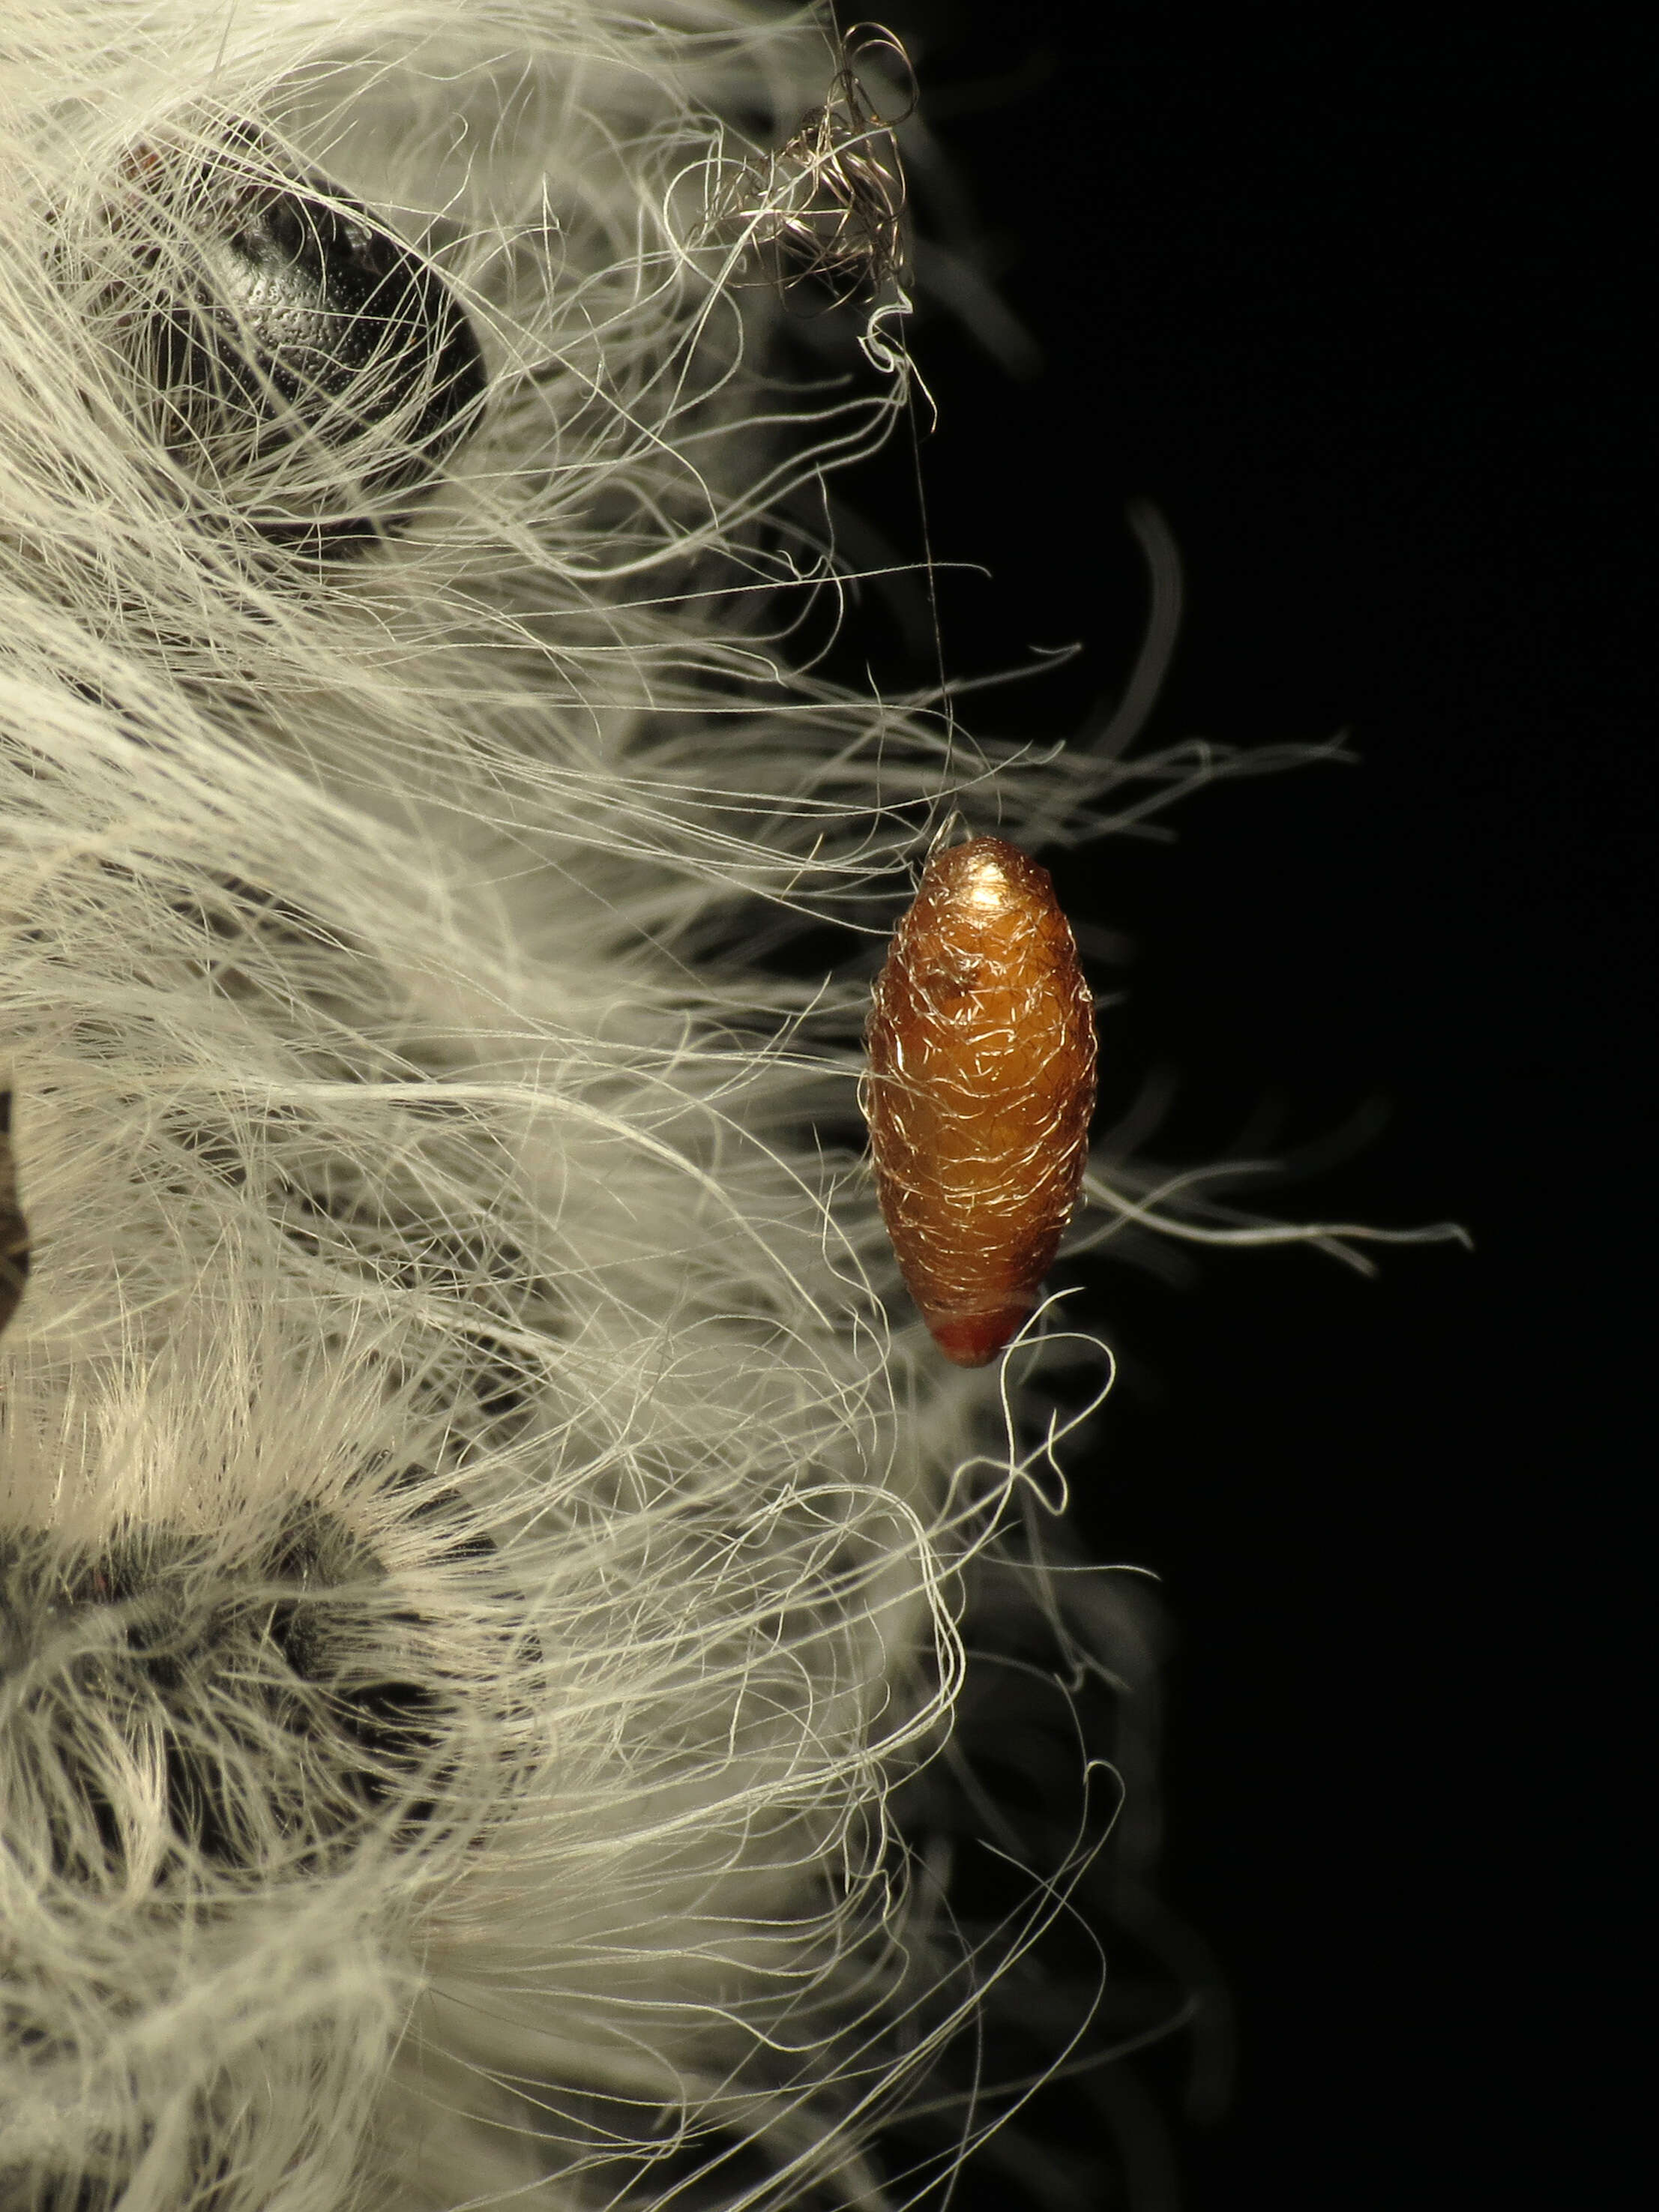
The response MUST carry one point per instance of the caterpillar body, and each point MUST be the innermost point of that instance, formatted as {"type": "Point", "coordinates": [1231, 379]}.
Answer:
{"type": "Point", "coordinates": [485, 1568]}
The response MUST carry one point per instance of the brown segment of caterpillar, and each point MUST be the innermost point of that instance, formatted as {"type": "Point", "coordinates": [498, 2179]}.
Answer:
{"type": "Point", "coordinates": [979, 1092]}
{"type": "Point", "coordinates": [14, 1230]}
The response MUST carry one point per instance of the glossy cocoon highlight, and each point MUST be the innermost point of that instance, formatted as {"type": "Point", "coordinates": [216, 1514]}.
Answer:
{"type": "Point", "coordinates": [981, 1084]}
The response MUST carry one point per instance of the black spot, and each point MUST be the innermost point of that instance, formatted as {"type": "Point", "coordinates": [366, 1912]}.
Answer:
{"type": "Point", "coordinates": [308, 369]}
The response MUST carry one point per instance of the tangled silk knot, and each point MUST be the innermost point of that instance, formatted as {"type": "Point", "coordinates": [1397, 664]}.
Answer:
{"type": "Point", "coordinates": [486, 1544]}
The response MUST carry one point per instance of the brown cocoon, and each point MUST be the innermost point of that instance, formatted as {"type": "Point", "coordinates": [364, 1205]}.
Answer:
{"type": "Point", "coordinates": [981, 1082]}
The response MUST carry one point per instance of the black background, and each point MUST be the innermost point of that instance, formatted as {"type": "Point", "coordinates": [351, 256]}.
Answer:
{"type": "Point", "coordinates": [1349, 297]}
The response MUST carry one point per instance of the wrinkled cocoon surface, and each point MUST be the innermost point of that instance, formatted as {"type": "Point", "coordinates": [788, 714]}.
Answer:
{"type": "Point", "coordinates": [477, 1555]}
{"type": "Point", "coordinates": [982, 1042]}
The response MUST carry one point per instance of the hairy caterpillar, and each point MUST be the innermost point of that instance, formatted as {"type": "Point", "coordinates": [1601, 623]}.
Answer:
{"type": "Point", "coordinates": [486, 1554]}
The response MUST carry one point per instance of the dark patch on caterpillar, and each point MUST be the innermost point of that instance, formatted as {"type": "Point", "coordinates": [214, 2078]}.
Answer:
{"type": "Point", "coordinates": [309, 371]}
{"type": "Point", "coordinates": [255, 1697]}
{"type": "Point", "coordinates": [14, 1230]}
